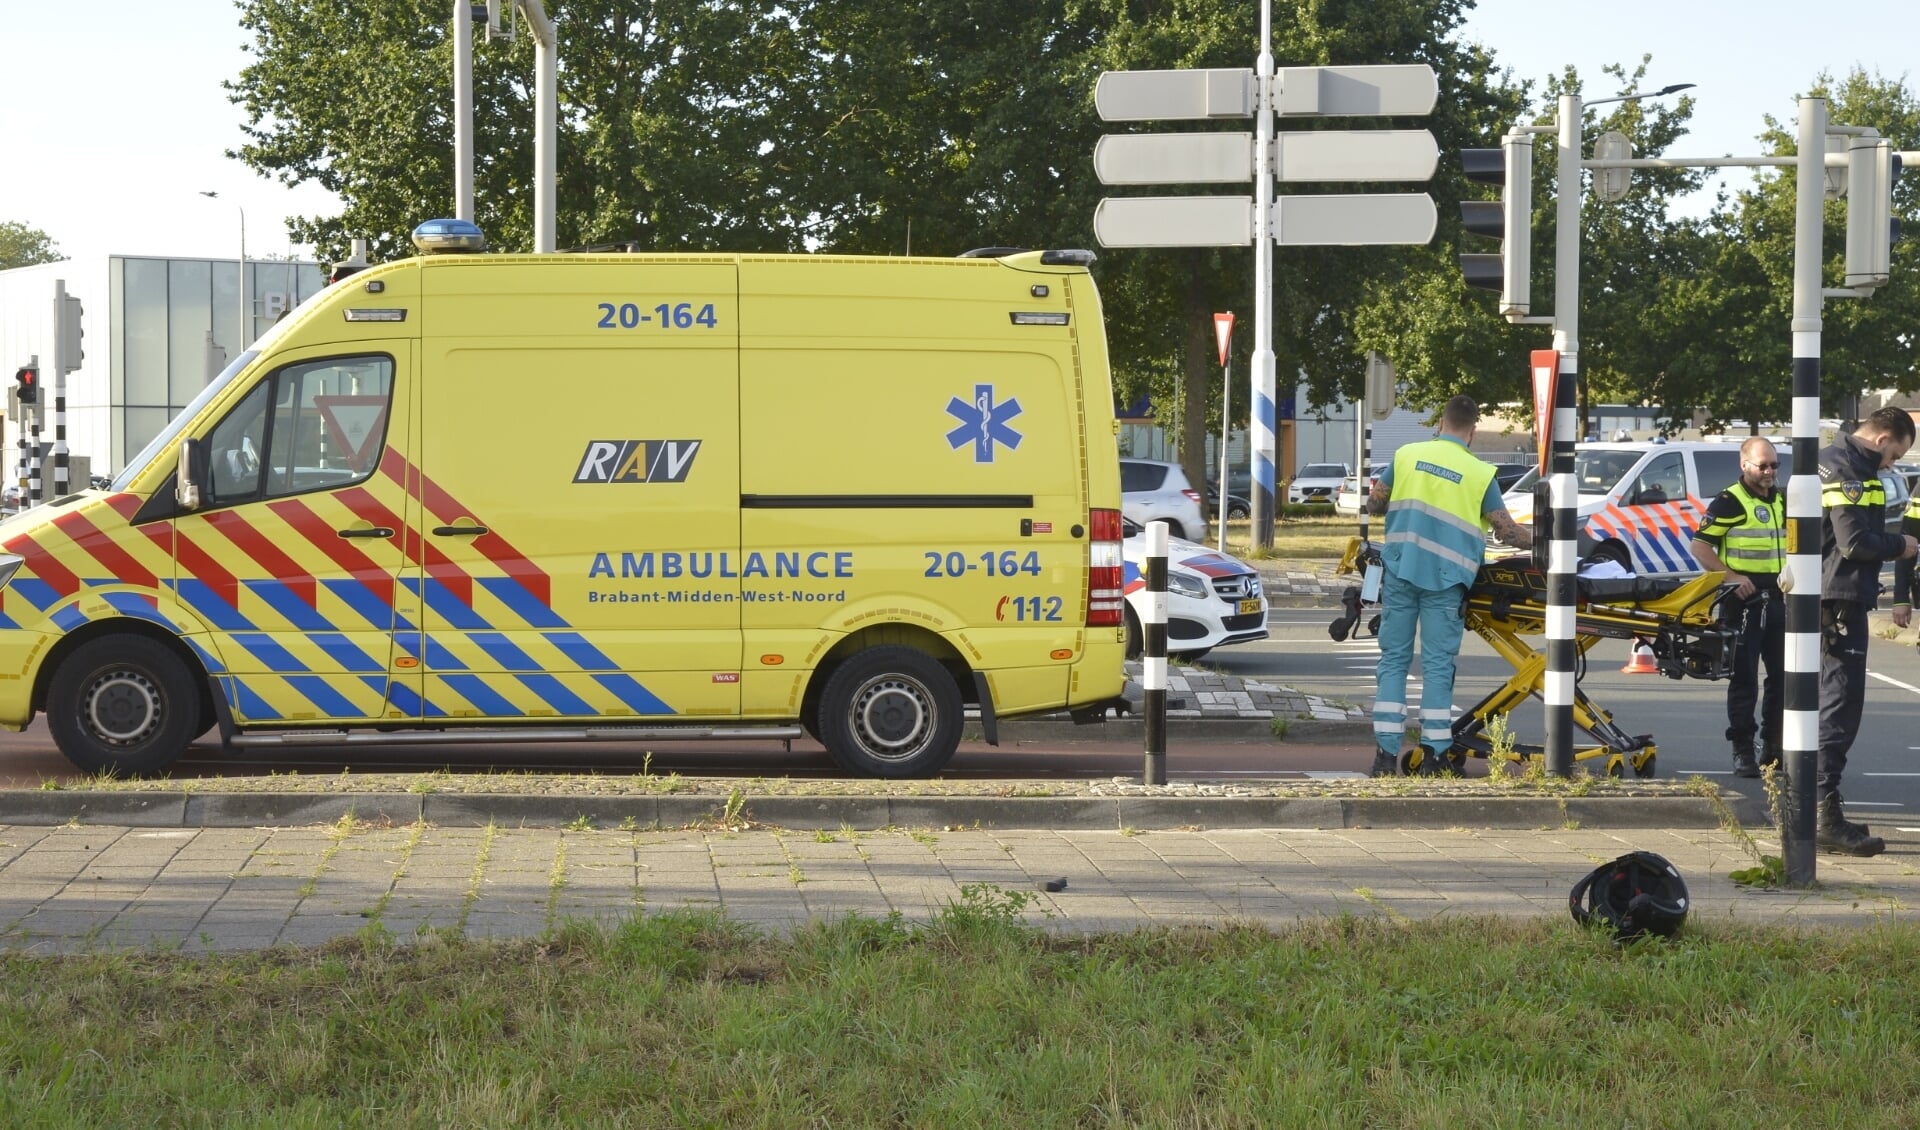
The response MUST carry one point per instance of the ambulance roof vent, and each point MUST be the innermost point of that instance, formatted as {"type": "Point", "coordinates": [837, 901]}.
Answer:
{"type": "Point", "coordinates": [438, 237]}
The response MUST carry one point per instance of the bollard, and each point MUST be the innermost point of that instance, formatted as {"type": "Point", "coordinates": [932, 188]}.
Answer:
{"type": "Point", "coordinates": [1153, 654]}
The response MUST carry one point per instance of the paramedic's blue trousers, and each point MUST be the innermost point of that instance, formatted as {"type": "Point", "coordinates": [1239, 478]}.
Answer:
{"type": "Point", "coordinates": [1439, 615]}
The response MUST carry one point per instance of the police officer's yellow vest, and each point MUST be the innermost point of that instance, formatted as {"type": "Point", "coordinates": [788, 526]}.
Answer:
{"type": "Point", "coordinates": [1435, 535]}
{"type": "Point", "coordinates": [1758, 544]}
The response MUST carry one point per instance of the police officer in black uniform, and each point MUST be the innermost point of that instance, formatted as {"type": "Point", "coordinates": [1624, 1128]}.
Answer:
{"type": "Point", "coordinates": [1743, 536]}
{"type": "Point", "coordinates": [1853, 544]}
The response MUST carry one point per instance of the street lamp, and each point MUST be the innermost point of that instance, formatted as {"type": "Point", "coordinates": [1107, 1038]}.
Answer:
{"type": "Point", "coordinates": [1674, 89]}
{"type": "Point", "coordinates": [246, 307]}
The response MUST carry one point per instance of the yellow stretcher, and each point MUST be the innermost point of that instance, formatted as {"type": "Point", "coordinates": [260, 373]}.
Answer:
{"type": "Point", "coordinates": [1679, 616]}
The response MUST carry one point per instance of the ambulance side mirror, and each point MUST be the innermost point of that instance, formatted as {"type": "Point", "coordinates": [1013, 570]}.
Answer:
{"type": "Point", "coordinates": [188, 474]}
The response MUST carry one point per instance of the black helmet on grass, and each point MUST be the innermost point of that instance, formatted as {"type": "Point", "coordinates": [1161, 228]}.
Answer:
{"type": "Point", "coordinates": [1638, 894]}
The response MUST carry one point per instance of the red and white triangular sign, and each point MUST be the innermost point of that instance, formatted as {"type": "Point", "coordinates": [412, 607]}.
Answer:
{"type": "Point", "coordinates": [356, 424]}
{"type": "Point", "coordinates": [1223, 333]}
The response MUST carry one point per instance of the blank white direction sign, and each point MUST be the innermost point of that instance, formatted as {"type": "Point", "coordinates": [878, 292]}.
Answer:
{"type": "Point", "coordinates": [1174, 158]}
{"type": "Point", "coordinates": [1160, 96]}
{"type": "Point", "coordinates": [1174, 221]}
{"type": "Point", "coordinates": [1353, 155]}
{"type": "Point", "coordinates": [1387, 90]}
{"type": "Point", "coordinates": [1353, 220]}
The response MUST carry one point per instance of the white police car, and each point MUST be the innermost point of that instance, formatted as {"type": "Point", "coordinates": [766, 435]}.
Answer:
{"type": "Point", "coordinates": [1212, 599]}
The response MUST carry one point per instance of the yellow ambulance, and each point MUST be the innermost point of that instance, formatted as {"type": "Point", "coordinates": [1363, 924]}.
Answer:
{"type": "Point", "coordinates": [470, 498]}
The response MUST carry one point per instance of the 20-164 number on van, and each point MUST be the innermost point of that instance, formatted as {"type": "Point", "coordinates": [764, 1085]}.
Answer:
{"type": "Point", "coordinates": [667, 315]}
{"type": "Point", "coordinates": [1006, 563]}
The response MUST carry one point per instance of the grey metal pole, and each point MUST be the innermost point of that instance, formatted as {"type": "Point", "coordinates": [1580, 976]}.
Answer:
{"type": "Point", "coordinates": [1264, 421]}
{"type": "Point", "coordinates": [463, 109]}
{"type": "Point", "coordinates": [1153, 655]}
{"type": "Point", "coordinates": [1800, 732]}
{"type": "Point", "coordinates": [1562, 552]}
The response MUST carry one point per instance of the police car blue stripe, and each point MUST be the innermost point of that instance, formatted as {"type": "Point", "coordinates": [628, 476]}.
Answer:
{"type": "Point", "coordinates": [579, 652]}
{"type": "Point", "coordinates": [475, 690]}
{"type": "Point", "coordinates": [278, 659]}
{"type": "Point", "coordinates": [636, 697]}
{"type": "Point", "coordinates": [521, 602]}
{"type": "Point", "coordinates": [345, 652]}
{"type": "Point", "coordinates": [556, 695]}
{"type": "Point", "coordinates": [330, 701]}
{"type": "Point", "coordinates": [282, 599]}
{"type": "Point", "coordinates": [504, 651]}
{"type": "Point", "coordinates": [200, 597]}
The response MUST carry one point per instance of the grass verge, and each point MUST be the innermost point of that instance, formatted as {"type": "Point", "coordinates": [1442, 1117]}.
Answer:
{"type": "Point", "coordinates": [974, 1019]}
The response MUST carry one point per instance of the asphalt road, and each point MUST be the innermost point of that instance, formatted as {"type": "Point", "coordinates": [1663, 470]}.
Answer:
{"type": "Point", "coordinates": [1686, 717]}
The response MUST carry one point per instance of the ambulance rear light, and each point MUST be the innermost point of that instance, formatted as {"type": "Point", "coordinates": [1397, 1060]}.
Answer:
{"type": "Point", "coordinates": [1068, 257]}
{"type": "Point", "coordinates": [399, 315]}
{"type": "Point", "coordinates": [1106, 572]}
{"type": "Point", "coordinates": [1039, 318]}
{"type": "Point", "coordinates": [436, 237]}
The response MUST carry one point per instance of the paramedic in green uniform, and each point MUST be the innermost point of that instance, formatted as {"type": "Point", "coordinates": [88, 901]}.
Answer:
{"type": "Point", "coordinates": [1438, 499]}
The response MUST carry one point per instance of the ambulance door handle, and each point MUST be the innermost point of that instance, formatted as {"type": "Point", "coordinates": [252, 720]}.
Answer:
{"type": "Point", "coordinates": [367, 532]}
{"type": "Point", "coordinates": [449, 531]}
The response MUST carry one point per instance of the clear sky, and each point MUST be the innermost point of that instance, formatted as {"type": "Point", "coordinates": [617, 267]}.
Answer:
{"type": "Point", "coordinates": [113, 118]}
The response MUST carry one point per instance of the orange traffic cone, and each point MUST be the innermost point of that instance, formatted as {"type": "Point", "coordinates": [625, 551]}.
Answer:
{"type": "Point", "coordinates": [1642, 661]}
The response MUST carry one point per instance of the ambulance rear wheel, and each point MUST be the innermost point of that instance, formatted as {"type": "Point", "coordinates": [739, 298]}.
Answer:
{"type": "Point", "coordinates": [123, 704]}
{"type": "Point", "coordinates": [891, 712]}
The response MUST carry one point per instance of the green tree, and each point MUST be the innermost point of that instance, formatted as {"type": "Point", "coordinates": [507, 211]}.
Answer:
{"type": "Point", "coordinates": [22, 246]}
{"type": "Point", "coordinates": [1731, 348]}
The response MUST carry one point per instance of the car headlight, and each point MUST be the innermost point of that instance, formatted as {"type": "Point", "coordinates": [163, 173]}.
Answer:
{"type": "Point", "coordinates": [1186, 584]}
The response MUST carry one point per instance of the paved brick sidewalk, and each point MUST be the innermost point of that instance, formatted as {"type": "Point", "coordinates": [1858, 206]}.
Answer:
{"type": "Point", "coordinates": [65, 889]}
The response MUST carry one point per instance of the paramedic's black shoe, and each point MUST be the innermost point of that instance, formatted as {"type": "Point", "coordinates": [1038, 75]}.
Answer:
{"type": "Point", "coordinates": [1770, 754]}
{"type": "Point", "coordinates": [1342, 627]}
{"type": "Point", "coordinates": [1838, 834]}
{"type": "Point", "coordinates": [1384, 764]}
{"type": "Point", "coordinates": [1743, 763]}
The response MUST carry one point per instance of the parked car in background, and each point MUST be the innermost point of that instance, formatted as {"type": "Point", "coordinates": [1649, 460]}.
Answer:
{"type": "Point", "coordinates": [1213, 599]}
{"type": "Point", "coordinates": [1239, 506]}
{"type": "Point", "coordinates": [1507, 474]}
{"type": "Point", "coordinates": [1316, 483]}
{"type": "Point", "coordinates": [1156, 491]}
{"type": "Point", "coordinates": [1352, 494]}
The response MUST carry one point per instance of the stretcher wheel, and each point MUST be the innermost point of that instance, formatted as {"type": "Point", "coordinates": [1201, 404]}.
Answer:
{"type": "Point", "coordinates": [1646, 766]}
{"type": "Point", "coordinates": [1616, 765]}
{"type": "Point", "coordinates": [1373, 625]}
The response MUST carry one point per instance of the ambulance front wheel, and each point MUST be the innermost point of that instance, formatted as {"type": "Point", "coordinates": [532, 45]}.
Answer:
{"type": "Point", "coordinates": [891, 712]}
{"type": "Point", "coordinates": [123, 704]}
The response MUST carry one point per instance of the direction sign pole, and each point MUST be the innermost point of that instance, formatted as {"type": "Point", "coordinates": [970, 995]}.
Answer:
{"type": "Point", "coordinates": [1264, 417]}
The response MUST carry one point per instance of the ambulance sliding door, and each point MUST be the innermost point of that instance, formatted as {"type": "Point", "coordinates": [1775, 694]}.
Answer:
{"type": "Point", "coordinates": [580, 482]}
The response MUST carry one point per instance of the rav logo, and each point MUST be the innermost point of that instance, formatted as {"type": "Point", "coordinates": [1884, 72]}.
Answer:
{"type": "Point", "coordinates": [637, 461]}
{"type": "Point", "coordinates": [983, 424]}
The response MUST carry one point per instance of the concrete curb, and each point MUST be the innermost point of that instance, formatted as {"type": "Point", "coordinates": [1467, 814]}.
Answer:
{"type": "Point", "coordinates": [1132, 728]}
{"type": "Point", "coordinates": [1158, 812]}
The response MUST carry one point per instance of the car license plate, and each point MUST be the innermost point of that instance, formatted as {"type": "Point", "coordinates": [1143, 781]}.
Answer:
{"type": "Point", "coordinates": [1249, 607]}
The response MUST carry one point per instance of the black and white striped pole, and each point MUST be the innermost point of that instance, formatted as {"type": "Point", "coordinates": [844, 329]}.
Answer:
{"type": "Point", "coordinates": [1800, 719]}
{"type": "Point", "coordinates": [34, 497]}
{"type": "Point", "coordinates": [66, 358]}
{"type": "Point", "coordinates": [1153, 655]}
{"type": "Point", "coordinates": [1559, 683]}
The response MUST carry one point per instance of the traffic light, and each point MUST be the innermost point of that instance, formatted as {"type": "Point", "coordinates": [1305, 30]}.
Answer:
{"type": "Point", "coordinates": [27, 380]}
{"type": "Point", "coordinates": [1872, 228]}
{"type": "Point", "coordinates": [1509, 220]}
{"type": "Point", "coordinates": [70, 334]}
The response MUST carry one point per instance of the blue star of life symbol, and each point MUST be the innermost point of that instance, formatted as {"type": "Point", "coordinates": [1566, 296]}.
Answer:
{"type": "Point", "coordinates": [983, 423]}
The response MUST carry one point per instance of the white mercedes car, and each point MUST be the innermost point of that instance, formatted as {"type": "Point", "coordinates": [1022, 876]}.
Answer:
{"type": "Point", "coordinates": [1212, 599]}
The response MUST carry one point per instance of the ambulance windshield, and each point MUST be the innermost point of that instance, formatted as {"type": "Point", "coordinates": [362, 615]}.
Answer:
{"type": "Point", "coordinates": [163, 443]}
